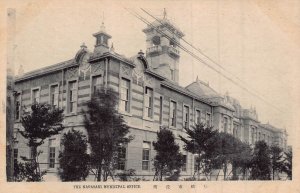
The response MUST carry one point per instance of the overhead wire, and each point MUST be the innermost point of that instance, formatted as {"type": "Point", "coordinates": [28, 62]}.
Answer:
{"type": "Point", "coordinates": [198, 58]}
{"type": "Point", "coordinates": [201, 52]}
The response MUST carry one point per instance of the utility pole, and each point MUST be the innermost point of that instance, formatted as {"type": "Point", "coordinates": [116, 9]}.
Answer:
{"type": "Point", "coordinates": [10, 106]}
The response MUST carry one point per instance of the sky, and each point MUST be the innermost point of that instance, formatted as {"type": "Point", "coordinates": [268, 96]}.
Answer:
{"type": "Point", "coordinates": [257, 42]}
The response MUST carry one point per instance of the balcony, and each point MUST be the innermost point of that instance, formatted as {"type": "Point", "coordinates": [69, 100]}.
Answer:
{"type": "Point", "coordinates": [173, 51]}
{"type": "Point", "coordinates": [154, 49]}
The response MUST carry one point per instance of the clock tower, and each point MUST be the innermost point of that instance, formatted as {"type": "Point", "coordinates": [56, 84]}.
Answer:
{"type": "Point", "coordinates": [163, 54]}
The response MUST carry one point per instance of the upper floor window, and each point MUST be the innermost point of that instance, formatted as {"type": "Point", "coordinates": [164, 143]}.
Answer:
{"type": "Point", "coordinates": [173, 109]}
{"type": "Point", "coordinates": [172, 74]}
{"type": "Point", "coordinates": [125, 95]}
{"type": "Point", "coordinates": [160, 109]}
{"type": "Point", "coordinates": [97, 82]}
{"type": "Point", "coordinates": [36, 96]}
{"type": "Point", "coordinates": [208, 119]}
{"type": "Point", "coordinates": [186, 117]}
{"type": "Point", "coordinates": [235, 130]}
{"type": "Point", "coordinates": [18, 106]}
{"type": "Point", "coordinates": [198, 117]}
{"type": "Point", "coordinates": [72, 96]}
{"type": "Point", "coordinates": [148, 102]}
{"type": "Point", "coordinates": [54, 93]}
{"type": "Point", "coordinates": [225, 124]}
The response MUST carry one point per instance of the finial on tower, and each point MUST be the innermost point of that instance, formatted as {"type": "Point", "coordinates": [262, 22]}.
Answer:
{"type": "Point", "coordinates": [83, 46]}
{"type": "Point", "coordinates": [197, 79]}
{"type": "Point", "coordinates": [112, 49]}
{"type": "Point", "coordinates": [165, 13]}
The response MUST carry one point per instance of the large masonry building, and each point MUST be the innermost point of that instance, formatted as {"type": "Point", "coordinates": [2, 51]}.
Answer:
{"type": "Point", "coordinates": [150, 97]}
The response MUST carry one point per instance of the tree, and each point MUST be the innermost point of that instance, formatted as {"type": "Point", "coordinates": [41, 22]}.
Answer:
{"type": "Point", "coordinates": [261, 162]}
{"type": "Point", "coordinates": [168, 159]}
{"type": "Point", "coordinates": [199, 141]}
{"type": "Point", "coordinates": [242, 162]}
{"type": "Point", "coordinates": [287, 163]}
{"type": "Point", "coordinates": [228, 152]}
{"type": "Point", "coordinates": [276, 160]}
{"type": "Point", "coordinates": [106, 130]}
{"type": "Point", "coordinates": [43, 122]}
{"type": "Point", "coordinates": [73, 159]}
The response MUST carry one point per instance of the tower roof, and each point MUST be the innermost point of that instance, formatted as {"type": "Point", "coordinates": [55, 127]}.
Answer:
{"type": "Point", "coordinates": [102, 31]}
{"type": "Point", "coordinates": [164, 22]}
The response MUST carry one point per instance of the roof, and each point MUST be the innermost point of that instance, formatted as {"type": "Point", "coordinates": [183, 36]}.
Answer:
{"type": "Point", "coordinates": [184, 91]}
{"type": "Point", "coordinates": [167, 23]}
{"type": "Point", "coordinates": [46, 70]}
{"type": "Point", "coordinates": [202, 89]}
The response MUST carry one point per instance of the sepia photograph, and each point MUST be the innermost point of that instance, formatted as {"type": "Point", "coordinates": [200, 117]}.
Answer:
{"type": "Point", "coordinates": [149, 95]}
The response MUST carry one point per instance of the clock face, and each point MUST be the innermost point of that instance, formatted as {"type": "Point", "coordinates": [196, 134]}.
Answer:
{"type": "Point", "coordinates": [84, 64]}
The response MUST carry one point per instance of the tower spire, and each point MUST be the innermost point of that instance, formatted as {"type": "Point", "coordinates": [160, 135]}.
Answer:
{"type": "Point", "coordinates": [165, 13]}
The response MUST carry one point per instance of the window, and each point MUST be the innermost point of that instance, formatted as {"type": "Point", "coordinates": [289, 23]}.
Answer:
{"type": "Point", "coordinates": [33, 152]}
{"type": "Point", "coordinates": [148, 102]}
{"type": "Point", "coordinates": [125, 89]}
{"type": "Point", "coordinates": [72, 96]}
{"type": "Point", "coordinates": [252, 135]}
{"type": "Point", "coordinates": [172, 74]}
{"type": "Point", "coordinates": [161, 109]}
{"type": "Point", "coordinates": [54, 92]}
{"type": "Point", "coordinates": [121, 158]}
{"type": "Point", "coordinates": [186, 116]}
{"type": "Point", "coordinates": [225, 124]}
{"type": "Point", "coordinates": [196, 163]}
{"type": "Point", "coordinates": [146, 156]}
{"type": "Point", "coordinates": [15, 155]}
{"type": "Point", "coordinates": [18, 107]}
{"type": "Point", "coordinates": [173, 109]}
{"type": "Point", "coordinates": [51, 153]}
{"type": "Point", "coordinates": [235, 130]}
{"type": "Point", "coordinates": [183, 167]}
{"type": "Point", "coordinates": [198, 117]}
{"type": "Point", "coordinates": [97, 82]}
{"type": "Point", "coordinates": [208, 119]}
{"type": "Point", "coordinates": [35, 96]}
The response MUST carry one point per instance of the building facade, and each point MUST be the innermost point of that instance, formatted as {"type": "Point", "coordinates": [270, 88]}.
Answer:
{"type": "Point", "coordinates": [150, 97]}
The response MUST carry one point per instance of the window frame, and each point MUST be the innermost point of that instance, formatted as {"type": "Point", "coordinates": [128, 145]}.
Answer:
{"type": "Point", "coordinates": [52, 151]}
{"type": "Point", "coordinates": [50, 93]}
{"type": "Point", "coordinates": [18, 94]}
{"type": "Point", "coordinates": [161, 108]}
{"type": "Point", "coordinates": [186, 123]}
{"type": "Point", "coordinates": [129, 96]}
{"type": "Point", "coordinates": [196, 120]}
{"type": "Point", "coordinates": [208, 114]}
{"type": "Point", "coordinates": [92, 82]}
{"type": "Point", "coordinates": [147, 161]}
{"type": "Point", "coordinates": [124, 160]}
{"type": "Point", "coordinates": [171, 122]}
{"type": "Point", "coordinates": [184, 166]}
{"type": "Point", "coordinates": [32, 93]}
{"type": "Point", "coordinates": [68, 96]}
{"type": "Point", "coordinates": [147, 108]}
